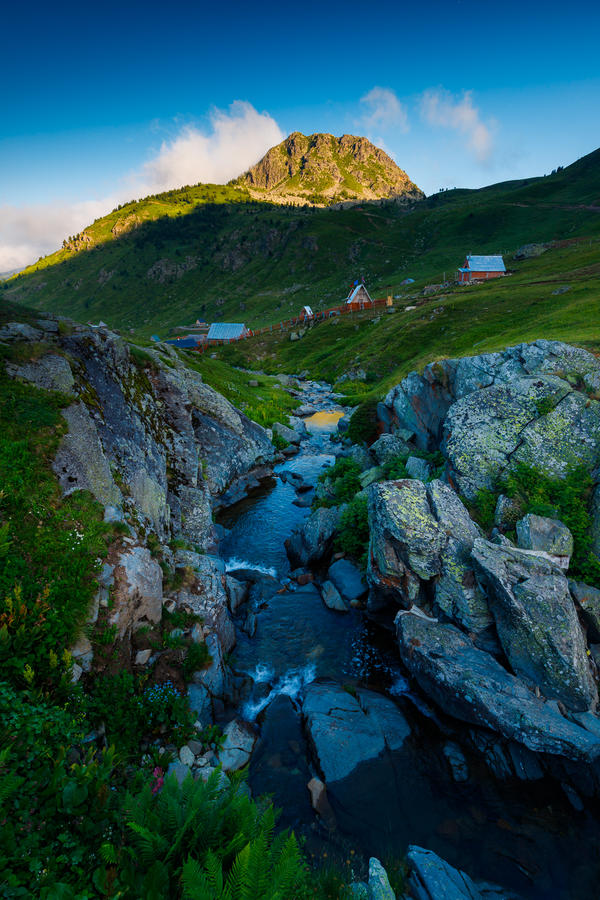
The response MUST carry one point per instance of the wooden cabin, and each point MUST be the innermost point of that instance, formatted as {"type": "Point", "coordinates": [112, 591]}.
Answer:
{"type": "Point", "coordinates": [481, 268]}
{"type": "Point", "coordinates": [358, 295]}
{"type": "Point", "coordinates": [306, 314]}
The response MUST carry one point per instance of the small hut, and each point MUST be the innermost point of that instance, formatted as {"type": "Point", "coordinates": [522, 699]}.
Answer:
{"type": "Point", "coordinates": [481, 268]}
{"type": "Point", "coordinates": [358, 295]}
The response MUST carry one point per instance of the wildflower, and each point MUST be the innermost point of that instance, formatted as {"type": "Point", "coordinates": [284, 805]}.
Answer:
{"type": "Point", "coordinates": [159, 780]}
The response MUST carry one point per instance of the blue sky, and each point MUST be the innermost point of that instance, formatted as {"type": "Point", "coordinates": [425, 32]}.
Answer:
{"type": "Point", "coordinates": [103, 103]}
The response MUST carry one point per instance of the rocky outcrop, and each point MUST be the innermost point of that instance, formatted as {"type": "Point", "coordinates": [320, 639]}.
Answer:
{"type": "Point", "coordinates": [536, 622]}
{"type": "Point", "coordinates": [145, 437]}
{"type": "Point", "coordinates": [321, 169]}
{"type": "Point", "coordinates": [528, 403]}
{"type": "Point", "coordinates": [548, 535]}
{"type": "Point", "coordinates": [472, 686]}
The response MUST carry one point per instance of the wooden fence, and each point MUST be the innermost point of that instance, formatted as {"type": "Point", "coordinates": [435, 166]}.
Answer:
{"type": "Point", "coordinates": [299, 322]}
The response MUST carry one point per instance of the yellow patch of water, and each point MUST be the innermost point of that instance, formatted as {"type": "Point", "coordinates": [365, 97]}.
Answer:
{"type": "Point", "coordinates": [324, 420]}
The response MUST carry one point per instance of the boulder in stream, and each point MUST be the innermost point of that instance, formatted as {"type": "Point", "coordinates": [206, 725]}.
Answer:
{"type": "Point", "coordinates": [472, 686]}
{"type": "Point", "coordinates": [312, 541]}
{"type": "Point", "coordinates": [345, 730]}
{"type": "Point", "coordinates": [432, 878]}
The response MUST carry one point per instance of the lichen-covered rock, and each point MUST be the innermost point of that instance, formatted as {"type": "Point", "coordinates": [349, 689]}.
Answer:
{"type": "Point", "coordinates": [137, 591]}
{"type": "Point", "coordinates": [472, 686]}
{"type": "Point", "coordinates": [378, 887]}
{"type": "Point", "coordinates": [389, 446]}
{"type": "Point", "coordinates": [418, 468]}
{"type": "Point", "coordinates": [405, 537]}
{"type": "Point", "coordinates": [550, 535]}
{"type": "Point", "coordinates": [52, 372]}
{"type": "Point", "coordinates": [536, 622]}
{"type": "Point", "coordinates": [312, 541]}
{"type": "Point", "coordinates": [80, 463]}
{"type": "Point", "coordinates": [424, 535]}
{"type": "Point", "coordinates": [420, 403]}
{"type": "Point", "coordinates": [196, 514]}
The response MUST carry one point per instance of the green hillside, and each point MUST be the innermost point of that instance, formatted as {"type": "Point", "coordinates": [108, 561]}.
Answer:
{"type": "Point", "coordinates": [554, 296]}
{"type": "Point", "coordinates": [213, 252]}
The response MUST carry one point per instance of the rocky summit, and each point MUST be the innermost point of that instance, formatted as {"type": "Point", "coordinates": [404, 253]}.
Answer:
{"type": "Point", "coordinates": [321, 169]}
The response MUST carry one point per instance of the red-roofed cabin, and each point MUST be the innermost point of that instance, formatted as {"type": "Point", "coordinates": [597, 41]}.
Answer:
{"type": "Point", "coordinates": [481, 268]}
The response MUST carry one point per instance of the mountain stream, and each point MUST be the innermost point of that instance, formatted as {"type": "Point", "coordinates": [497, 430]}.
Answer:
{"type": "Point", "coordinates": [522, 835]}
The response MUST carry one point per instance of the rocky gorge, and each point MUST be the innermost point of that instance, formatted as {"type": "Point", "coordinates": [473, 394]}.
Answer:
{"type": "Point", "coordinates": [446, 696]}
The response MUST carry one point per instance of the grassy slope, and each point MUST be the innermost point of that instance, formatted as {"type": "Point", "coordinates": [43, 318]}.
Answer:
{"type": "Point", "coordinates": [461, 321]}
{"type": "Point", "coordinates": [261, 263]}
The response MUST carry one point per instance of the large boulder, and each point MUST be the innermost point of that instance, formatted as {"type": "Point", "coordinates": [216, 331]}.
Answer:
{"type": "Point", "coordinates": [52, 372]}
{"type": "Point", "coordinates": [420, 403]}
{"type": "Point", "coordinates": [541, 422]}
{"type": "Point", "coordinates": [587, 599]}
{"type": "Point", "coordinates": [240, 738]}
{"type": "Point", "coordinates": [346, 730]}
{"type": "Point", "coordinates": [472, 686]}
{"type": "Point", "coordinates": [312, 540]}
{"type": "Point", "coordinates": [421, 540]}
{"type": "Point", "coordinates": [348, 579]}
{"type": "Point", "coordinates": [536, 622]}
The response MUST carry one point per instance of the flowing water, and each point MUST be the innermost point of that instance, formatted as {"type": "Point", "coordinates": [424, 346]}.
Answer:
{"type": "Point", "coordinates": [525, 836]}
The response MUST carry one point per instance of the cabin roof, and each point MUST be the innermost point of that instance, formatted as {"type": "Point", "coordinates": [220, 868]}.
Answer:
{"type": "Point", "coordinates": [356, 290]}
{"type": "Point", "coordinates": [485, 264]}
{"type": "Point", "coordinates": [225, 331]}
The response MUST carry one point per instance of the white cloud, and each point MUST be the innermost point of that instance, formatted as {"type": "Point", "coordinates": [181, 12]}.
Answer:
{"type": "Point", "coordinates": [29, 232]}
{"type": "Point", "coordinates": [383, 110]}
{"type": "Point", "coordinates": [237, 138]}
{"type": "Point", "coordinates": [441, 109]}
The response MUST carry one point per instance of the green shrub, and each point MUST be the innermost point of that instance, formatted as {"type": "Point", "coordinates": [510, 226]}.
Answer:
{"type": "Point", "coordinates": [342, 480]}
{"type": "Point", "coordinates": [130, 712]}
{"type": "Point", "coordinates": [279, 442]}
{"type": "Point", "coordinates": [363, 423]}
{"type": "Point", "coordinates": [196, 659]}
{"type": "Point", "coordinates": [47, 580]}
{"type": "Point", "coordinates": [566, 498]}
{"type": "Point", "coordinates": [353, 532]}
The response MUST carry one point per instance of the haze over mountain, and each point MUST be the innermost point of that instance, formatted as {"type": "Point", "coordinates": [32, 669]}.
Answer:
{"type": "Point", "coordinates": [321, 169]}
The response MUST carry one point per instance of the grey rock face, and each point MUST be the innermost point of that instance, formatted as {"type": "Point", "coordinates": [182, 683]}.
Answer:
{"type": "Point", "coordinates": [206, 596]}
{"type": "Point", "coordinates": [345, 730]}
{"type": "Point", "coordinates": [424, 534]}
{"type": "Point", "coordinates": [313, 539]}
{"type": "Point", "coordinates": [536, 622]}
{"type": "Point", "coordinates": [210, 685]}
{"type": "Point", "coordinates": [497, 409]}
{"type": "Point", "coordinates": [550, 535]}
{"type": "Point", "coordinates": [288, 434]}
{"type": "Point", "coordinates": [51, 372]}
{"type": "Point", "coordinates": [472, 686]}
{"type": "Point", "coordinates": [19, 331]}
{"type": "Point", "coordinates": [432, 878]}
{"type": "Point", "coordinates": [80, 463]}
{"type": "Point", "coordinates": [137, 593]}
{"type": "Point", "coordinates": [196, 514]}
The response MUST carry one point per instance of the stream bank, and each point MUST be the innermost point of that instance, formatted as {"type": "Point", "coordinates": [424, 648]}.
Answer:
{"type": "Point", "coordinates": [425, 786]}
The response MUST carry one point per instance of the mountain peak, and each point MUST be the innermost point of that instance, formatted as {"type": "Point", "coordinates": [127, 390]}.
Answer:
{"type": "Point", "coordinates": [321, 169]}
